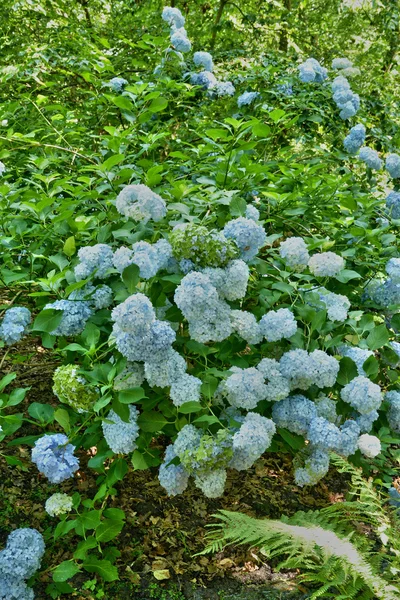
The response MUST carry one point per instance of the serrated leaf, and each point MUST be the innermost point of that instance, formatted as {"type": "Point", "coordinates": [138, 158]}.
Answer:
{"type": "Point", "coordinates": [151, 421]}
{"type": "Point", "coordinates": [108, 530]}
{"type": "Point", "coordinates": [65, 570]}
{"type": "Point", "coordinates": [104, 568]}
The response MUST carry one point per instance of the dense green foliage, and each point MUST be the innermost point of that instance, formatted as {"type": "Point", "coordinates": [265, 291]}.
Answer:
{"type": "Point", "coordinates": [70, 142]}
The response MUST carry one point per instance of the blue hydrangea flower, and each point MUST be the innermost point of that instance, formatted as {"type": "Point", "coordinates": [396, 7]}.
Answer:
{"type": "Point", "coordinates": [315, 468]}
{"type": "Point", "coordinates": [251, 441]}
{"type": "Point", "coordinates": [211, 483]}
{"type": "Point", "coordinates": [120, 435]}
{"type": "Point", "coordinates": [365, 422]}
{"type": "Point", "coordinates": [393, 165]}
{"type": "Point", "coordinates": [224, 88]}
{"type": "Point", "coordinates": [173, 17]}
{"type": "Point", "coordinates": [231, 281]}
{"type": "Point", "coordinates": [393, 269]}
{"type": "Point", "coordinates": [369, 445]}
{"type": "Point", "coordinates": [203, 59]}
{"type": "Point", "coordinates": [150, 258]}
{"type": "Point", "coordinates": [297, 368]}
{"type": "Point", "coordinates": [245, 388]}
{"type": "Point", "coordinates": [311, 71]}
{"type": "Point", "coordinates": [166, 370]}
{"type": "Point", "coordinates": [22, 555]}
{"type": "Point", "coordinates": [205, 79]}
{"type": "Point", "coordinates": [370, 157]}
{"type": "Point", "coordinates": [341, 63]}
{"type": "Point", "coordinates": [188, 438]}
{"type": "Point", "coordinates": [180, 40]}
{"type": "Point", "coordinates": [13, 588]}
{"type": "Point", "coordinates": [326, 264]}
{"type": "Point", "coordinates": [117, 84]}
{"type": "Point", "coordinates": [252, 212]}
{"type": "Point", "coordinates": [336, 305]}
{"type": "Point", "coordinates": [277, 387]}
{"type": "Point", "coordinates": [58, 504]}
{"type": "Point", "coordinates": [393, 204]}
{"type": "Point", "coordinates": [278, 325]}
{"type": "Point", "coordinates": [326, 408]}
{"type": "Point", "coordinates": [248, 235]}
{"type": "Point", "coordinates": [294, 252]}
{"type": "Point", "coordinates": [245, 325]}
{"type": "Point", "coordinates": [132, 376]}
{"type": "Point", "coordinates": [247, 98]}
{"type": "Point", "coordinates": [294, 413]}
{"type": "Point", "coordinates": [340, 83]}
{"type": "Point", "coordinates": [362, 394]}
{"type": "Point", "coordinates": [393, 414]}
{"type": "Point", "coordinates": [54, 457]}
{"type": "Point", "coordinates": [94, 260]}
{"type": "Point", "coordinates": [15, 324]}
{"type": "Point", "coordinates": [185, 389]}
{"type": "Point", "coordinates": [173, 478]}
{"type": "Point", "coordinates": [285, 88]}
{"type": "Point", "coordinates": [323, 368]}
{"type": "Point", "coordinates": [323, 434]}
{"type": "Point", "coordinates": [355, 139]}
{"type": "Point", "coordinates": [74, 318]}
{"type": "Point", "coordinates": [140, 203]}
{"type": "Point", "coordinates": [97, 297]}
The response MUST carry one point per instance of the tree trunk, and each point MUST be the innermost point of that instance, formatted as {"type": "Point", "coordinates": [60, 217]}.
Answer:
{"type": "Point", "coordinates": [221, 7]}
{"type": "Point", "coordinates": [283, 38]}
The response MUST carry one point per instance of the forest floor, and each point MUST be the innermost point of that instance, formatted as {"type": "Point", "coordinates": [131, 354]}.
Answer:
{"type": "Point", "coordinates": [161, 533]}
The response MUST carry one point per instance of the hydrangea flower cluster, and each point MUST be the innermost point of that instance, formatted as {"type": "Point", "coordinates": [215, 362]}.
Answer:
{"type": "Point", "coordinates": [19, 560]}
{"type": "Point", "coordinates": [311, 71]}
{"type": "Point", "coordinates": [54, 457]}
{"type": "Point", "coordinates": [75, 315]}
{"type": "Point", "coordinates": [295, 254]}
{"type": "Point", "coordinates": [336, 305]}
{"type": "Point", "coordinates": [202, 247]}
{"type": "Point", "coordinates": [98, 297]}
{"type": "Point", "coordinates": [204, 60]}
{"type": "Point", "coordinates": [393, 165]}
{"type": "Point", "coordinates": [362, 394]}
{"type": "Point", "coordinates": [204, 79]}
{"type": "Point", "coordinates": [73, 389]}
{"type": "Point", "coordinates": [207, 457]}
{"type": "Point", "coordinates": [94, 260]}
{"type": "Point", "coordinates": [341, 63]}
{"type": "Point", "coordinates": [150, 258]}
{"type": "Point", "coordinates": [58, 504]}
{"type": "Point", "coordinates": [252, 212]}
{"type": "Point", "coordinates": [278, 325]}
{"type": "Point", "coordinates": [132, 376]}
{"type": "Point", "coordinates": [355, 139]}
{"type": "Point", "coordinates": [315, 468]}
{"type": "Point", "coordinates": [345, 98]}
{"type": "Point", "coordinates": [303, 370]}
{"type": "Point", "coordinates": [370, 157]}
{"type": "Point", "coordinates": [369, 445]}
{"type": "Point", "coordinates": [326, 264]}
{"type": "Point", "coordinates": [248, 235]}
{"type": "Point", "coordinates": [185, 389]}
{"type": "Point", "coordinates": [117, 84]}
{"type": "Point", "coordinates": [15, 324]}
{"type": "Point", "coordinates": [140, 203]}
{"type": "Point", "coordinates": [224, 88]}
{"type": "Point", "coordinates": [357, 355]}
{"type": "Point", "coordinates": [121, 435]}
{"type": "Point", "coordinates": [178, 35]}
{"type": "Point", "coordinates": [393, 414]}
{"type": "Point", "coordinates": [247, 98]}
{"type": "Point", "coordinates": [393, 204]}
{"type": "Point", "coordinates": [386, 293]}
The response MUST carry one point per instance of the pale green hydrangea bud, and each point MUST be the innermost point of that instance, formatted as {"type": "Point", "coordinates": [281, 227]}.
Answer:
{"type": "Point", "coordinates": [73, 389]}
{"type": "Point", "coordinates": [58, 504]}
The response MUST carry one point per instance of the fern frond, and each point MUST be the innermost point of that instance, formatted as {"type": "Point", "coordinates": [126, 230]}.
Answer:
{"type": "Point", "coordinates": [337, 558]}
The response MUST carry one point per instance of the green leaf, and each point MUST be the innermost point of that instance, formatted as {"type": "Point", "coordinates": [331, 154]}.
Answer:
{"type": "Point", "coordinates": [63, 528]}
{"type": "Point", "coordinates": [6, 380]}
{"type": "Point", "coordinates": [123, 102]}
{"type": "Point", "coordinates": [346, 275]}
{"type": "Point", "coordinates": [48, 320]}
{"type": "Point", "coordinates": [347, 371]}
{"type": "Point", "coordinates": [62, 418]}
{"type": "Point", "coordinates": [261, 130]}
{"type": "Point", "coordinates": [111, 162]}
{"type": "Point", "coordinates": [131, 395]}
{"type": "Point", "coordinates": [151, 421]}
{"type": "Point", "coordinates": [65, 570]}
{"type": "Point", "coordinates": [190, 407]}
{"type": "Point", "coordinates": [41, 412]}
{"type": "Point", "coordinates": [90, 519]}
{"type": "Point", "coordinates": [131, 277]}
{"type": "Point", "coordinates": [378, 337]}
{"type": "Point", "coordinates": [108, 530]}
{"type": "Point", "coordinates": [276, 114]}
{"type": "Point", "coordinates": [139, 461]}
{"type": "Point", "coordinates": [158, 104]}
{"type": "Point", "coordinates": [69, 247]}
{"type": "Point", "coordinates": [371, 366]}
{"type": "Point", "coordinates": [104, 568]}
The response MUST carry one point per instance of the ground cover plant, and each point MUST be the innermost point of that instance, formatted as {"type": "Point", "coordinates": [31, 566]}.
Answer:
{"type": "Point", "coordinates": [199, 233]}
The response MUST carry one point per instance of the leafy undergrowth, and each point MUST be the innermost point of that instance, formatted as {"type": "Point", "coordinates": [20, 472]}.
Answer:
{"type": "Point", "coordinates": [161, 535]}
